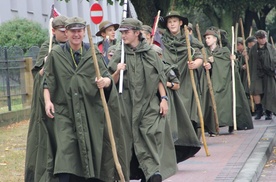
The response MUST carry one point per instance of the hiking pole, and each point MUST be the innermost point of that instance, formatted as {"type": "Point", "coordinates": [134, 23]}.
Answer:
{"type": "Point", "coordinates": [233, 82]}
{"type": "Point", "coordinates": [106, 111]}
{"type": "Point", "coordinates": [195, 91]}
{"type": "Point", "coordinates": [247, 67]}
{"type": "Point", "coordinates": [210, 86]}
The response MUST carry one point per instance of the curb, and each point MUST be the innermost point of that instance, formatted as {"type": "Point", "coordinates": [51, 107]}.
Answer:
{"type": "Point", "coordinates": [255, 163]}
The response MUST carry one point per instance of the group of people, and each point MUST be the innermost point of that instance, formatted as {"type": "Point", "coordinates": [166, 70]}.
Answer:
{"type": "Point", "coordinates": [155, 118]}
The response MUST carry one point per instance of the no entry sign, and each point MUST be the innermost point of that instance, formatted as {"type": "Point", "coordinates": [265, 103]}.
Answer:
{"type": "Point", "coordinates": [96, 13]}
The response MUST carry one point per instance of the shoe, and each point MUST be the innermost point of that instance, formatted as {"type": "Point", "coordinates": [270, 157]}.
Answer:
{"type": "Point", "coordinates": [231, 129]}
{"type": "Point", "coordinates": [259, 111]}
{"type": "Point", "coordinates": [268, 115]}
{"type": "Point", "coordinates": [156, 177]}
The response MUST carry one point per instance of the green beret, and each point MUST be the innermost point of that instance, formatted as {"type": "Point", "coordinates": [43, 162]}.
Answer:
{"type": "Point", "coordinates": [147, 28]}
{"type": "Point", "coordinates": [240, 40]}
{"type": "Point", "coordinates": [75, 23]}
{"type": "Point", "coordinates": [260, 34]}
{"type": "Point", "coordinates": [59, 22]}
{"type": "Point", "coordinates": [250, 39]}
{"type": "Point", "coordinates": [211, 32]}
{"type": "Point", "coordinates": [130, 24]}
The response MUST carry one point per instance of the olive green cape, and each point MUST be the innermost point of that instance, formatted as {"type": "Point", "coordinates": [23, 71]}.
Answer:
{"type": "Point", "coordinates": [149, 133]}
{"type": "Point", "coordinates": [221, 76]}
{"type": "Point", "coordinates": [264, 67]}
{"type": "Point", "coordinates": [185, 139]}
{"type": "Point", "coordinates": [83, 146]}
{"type": "Point", "coordinates": [176, 52]}
{"type": "Point", "coordinates": [40, 142]}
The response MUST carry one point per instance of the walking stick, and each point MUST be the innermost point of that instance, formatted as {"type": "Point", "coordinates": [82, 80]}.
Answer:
{"type": "Point", "coordinates": [122, 52]}
{"type": "Point", "coordinates": [272, 42]}
{"type": "Point", "coordinates": [250, 32]}
{"type": "Point", "coordinates": [247, 67]}
{"type": "Point", "coordinates": [236, 37]}
{"type": "Point", "coordinates": [106, 111]}
{"type": "Point", "coordinates": [233, 82]}
{"type": "Point", "coordinates": [195, 91]}
{"type": "Point", "coordinates": [50, 34]}
{"type": "Point", "coordinates": [219, 36]}
{"type": "Point", "coordinates": [155, 27]}
{"type": "Point", "coordinates": [210, 86]}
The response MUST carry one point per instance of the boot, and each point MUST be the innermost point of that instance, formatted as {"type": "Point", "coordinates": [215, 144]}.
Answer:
{"type": "Point", "coordinates": [268, 115]}
{"type": "Point", "coordinates": [259, 111]}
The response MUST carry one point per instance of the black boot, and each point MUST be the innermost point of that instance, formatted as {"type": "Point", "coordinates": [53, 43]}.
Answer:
{"type": "Point", "coordinates": [268, 115]}
{"type": "Point", "coordinates": [156, 177]}
{"type": "Point", "coordinates": [259, 111]}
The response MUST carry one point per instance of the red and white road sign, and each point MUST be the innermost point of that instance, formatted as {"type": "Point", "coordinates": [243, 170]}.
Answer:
{"type": "Point", "coordinates": [96, 13]}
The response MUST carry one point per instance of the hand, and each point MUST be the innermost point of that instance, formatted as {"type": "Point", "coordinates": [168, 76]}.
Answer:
{"type": "Point", "coordinates": [41, 71]}
{"type": "Point", "coordinates": [49, 109]}
{"type": "Point", "coordinates": [233, 57]}
{"type": "Point", "coordinates": [164, 107]}
{"type": "Point", "coordinates": [192, 65]}
{"type": "Point", "coordinates": [244, 66]}
{"type": "Point", "coordinates": [207, 66]}
{"type": "Point", "coordinates": [103, 82]}
{"type": "Point", "coordinates": [211, 59]}
{"type": "Point", "coordinates": [120, 66]}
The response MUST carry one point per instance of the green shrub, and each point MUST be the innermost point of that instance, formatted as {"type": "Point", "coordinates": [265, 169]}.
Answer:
{"type": "Point", "coordinates": [23, 33]}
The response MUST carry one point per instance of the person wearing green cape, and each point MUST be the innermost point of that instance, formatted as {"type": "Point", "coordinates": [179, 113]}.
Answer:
{"type": "Point", "coordinates": [220, 68]}
{"type": "Point", "coordinates": [151, 152]}
{"type": "Point", "coordinates": [72, 98]}
{"type": "Point", "coordinates": [40, 144]}
{"type": "Point", "coordinates": [262, 64]}
{"type": "Point", "coordinates": [185, 139]}
{"type": "Point", "coordinates": [176, 52]}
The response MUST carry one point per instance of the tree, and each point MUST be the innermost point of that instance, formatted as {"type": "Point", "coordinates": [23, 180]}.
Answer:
{"type": "Point", "coordinates": [23, 33]}
{"type": "Point", "coordinates": [225, 13]}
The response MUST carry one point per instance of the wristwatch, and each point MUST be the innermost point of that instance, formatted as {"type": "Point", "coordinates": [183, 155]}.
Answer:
{"type": "Point", "coordinates": [165, 97]}
{"type": "Point", "coordinates": [172, 84]}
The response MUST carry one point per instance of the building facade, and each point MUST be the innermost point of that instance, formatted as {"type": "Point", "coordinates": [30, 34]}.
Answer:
{"type": "Point", "coordinates": [40, 11]}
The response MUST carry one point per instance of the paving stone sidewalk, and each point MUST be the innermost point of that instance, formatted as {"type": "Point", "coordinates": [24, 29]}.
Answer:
{"type": "Point", "coordinates": [240, 156]}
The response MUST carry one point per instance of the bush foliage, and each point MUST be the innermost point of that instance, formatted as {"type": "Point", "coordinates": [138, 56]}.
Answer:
{"type": "Point", "coordinates": [23, 33]}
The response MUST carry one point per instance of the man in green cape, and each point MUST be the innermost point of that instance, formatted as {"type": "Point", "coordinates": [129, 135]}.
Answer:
{"type": "Point", "coordinates": [151, 150]}
{"type": "Point", "coordinates": [220, 66]}
{"type": "Point", "coordinates": [262, 65]}
{"type": "Point", "coordinates": [184, 136]}
{"type": "Point", "coordinates": [72, 98]}
{"type": "Point", "coordinates": [40, 144]}
{"type": "Point", "coordinates": [176, 52]}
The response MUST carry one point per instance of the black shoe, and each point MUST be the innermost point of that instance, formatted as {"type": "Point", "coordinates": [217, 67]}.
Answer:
{"type": "Point", "coordinates": [231, 129]}
{"type": "Point", "coordinates": [155, 178]}
{"type": "Point", "coordinates": [268, 115]}
{"type": "Point", "coordinates": [259, 111]}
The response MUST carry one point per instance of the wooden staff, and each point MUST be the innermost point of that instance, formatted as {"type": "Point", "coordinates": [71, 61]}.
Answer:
{"type": "Point", "coordinates": [233, 81]}
{"type": "Point", "coordinates": [250, 32]}
{"type": "Point", "coordinates": [106, 111]}
{"type": "Point", "coordinates": [50, 34]}
{"type": "Point", "coordinates": [272, 42]}
{"type": "Point", "coordinates": [155, 27]}
{"type": "Point", "coordinates": [219, 37]}
{"type": "Point", "coordinates": [247, 67]}
{"type": "Point", "coordinates": [210, 86]}
{"type": "Point", "coordinates": [195, 91]}
{"type": "Point", "coordinates": [236, 36]}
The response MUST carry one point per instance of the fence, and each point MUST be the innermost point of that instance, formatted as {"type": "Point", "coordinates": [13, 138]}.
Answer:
{"type": "Point", "coordinates": [15, 77]}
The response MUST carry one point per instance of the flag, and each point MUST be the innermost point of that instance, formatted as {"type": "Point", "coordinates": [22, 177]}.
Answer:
{"type": "Point", "coordinates": [54, 12]}
{"type": "Point", "coordinates": [131, 13]}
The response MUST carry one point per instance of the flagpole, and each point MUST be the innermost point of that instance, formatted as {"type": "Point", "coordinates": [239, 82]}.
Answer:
{"type": "Point", "coordinates": [123, 51]}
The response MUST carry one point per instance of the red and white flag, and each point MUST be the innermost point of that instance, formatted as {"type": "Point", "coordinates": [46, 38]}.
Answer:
{"type": "Point", "coordinates": [54, 12]}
